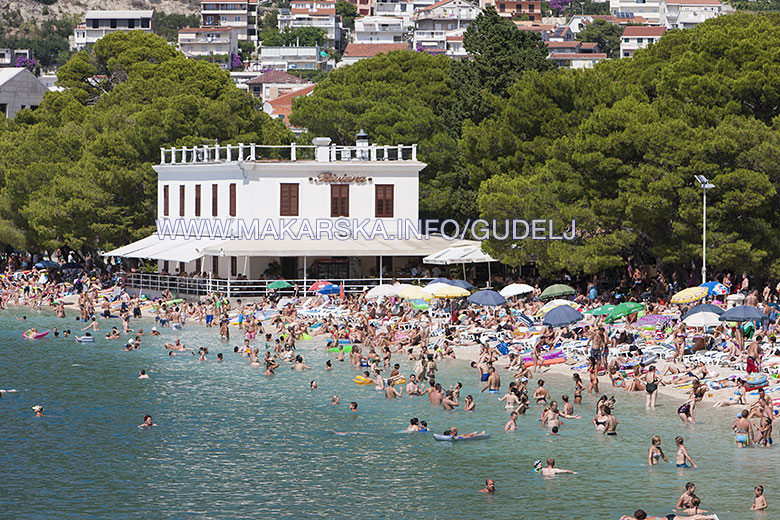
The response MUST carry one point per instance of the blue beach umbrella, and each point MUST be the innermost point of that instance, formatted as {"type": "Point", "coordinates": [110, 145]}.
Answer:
{"type": "Point", "coordinates": [439, 280]}
{"type": "Point", "coordinates": [703, 307]}
{"type": "Point", "coordinates": [715, 288]}
{"type": "Point", "coordinates": [487, 297]}
{"type": "Point", "coordinates": [46, 264]}
{"type": "Point", "coordinates": [330, 289]}
{"type": "Point", "coordinates": [742, 313]}
{"type": "Point", "coordinates": [461, 283]}
{"type": "Point", "coordinates": [561, 316]}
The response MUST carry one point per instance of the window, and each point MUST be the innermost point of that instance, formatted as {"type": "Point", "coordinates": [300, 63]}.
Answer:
{"type": "Point", "coordinates": [165, 266]}
{"type": "Point", "coordinates": [181, 200]}
{"type": "Point", "coordinates": [233, 200]}
{"type": "Point", "coordinates": [236, 18]}
{"type": "Point", "coordinates": [384, 200]}
{"type": "Point", "coordinates": [626, 40]}
{"type": "Point", "coordinates": [639, 40]}
{"type": "Point", "coordinates": [626, 54]}
{"type": "Point", "coordinates": [214, 195]}
{"type": "Point", "coordinates": [339, 200]}
{"type": "Point", "coordinates": [531, 8]}
{"type": "Point", "coordinates": [288, 203]}
{"type": "Point", "coordinates": [197, 200]}
{"type": "Point", "coordinates": [501, 8]}
{"type": "Point", "coordinates": [145, 23]}
{"type": "Point", "coordinates": [165, 200]}
{"type": "Point", "coordinates": [215, 265]}
{"type": "Point", "coordinates": [131, 24]}
{"type": "Point", "coordinates": [233, 266]}
{"type": "Point", "coordinates": [95, 24]}
{"type": "Point", "coordinates": [112, 23]}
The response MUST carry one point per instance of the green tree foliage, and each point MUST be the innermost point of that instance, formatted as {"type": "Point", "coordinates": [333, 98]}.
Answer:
{"type": "Point", "coordinates": [606, 34]}
{"type": "Point", "coordinates": [48, 40]}
{"type": "Point", "coordinates": [348, 12]}
{"type": "Point", "coordinates": [78, 170]}
{"type": "Point", "coordinates": [500, 55]}
{"type": "Point", "coordinates": [616, 148]}
{"type": "Point", "coordinates": [300, 36]}
{"type": "Point", "coordinates": [168, 25]}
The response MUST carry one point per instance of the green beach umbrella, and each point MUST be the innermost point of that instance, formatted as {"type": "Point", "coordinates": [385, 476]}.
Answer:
{"type": "Point", "coordinates": [279, 284]}
{"type": "Point", "coordinates": [624, 309]}
{"type": "Point", "coordinates": [556, 291]}
{"type": "Point", "coordinates": [601, 311]}
{"type": "Point", "coordinates": [418, 304]}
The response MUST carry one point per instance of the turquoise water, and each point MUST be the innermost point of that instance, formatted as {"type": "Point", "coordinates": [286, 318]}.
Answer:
{"type": "Point", "coordinates": [232, 443]}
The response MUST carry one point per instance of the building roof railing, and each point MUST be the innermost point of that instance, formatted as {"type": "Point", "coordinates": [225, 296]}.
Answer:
{"type": "Point", "coordinates": [209, 154]}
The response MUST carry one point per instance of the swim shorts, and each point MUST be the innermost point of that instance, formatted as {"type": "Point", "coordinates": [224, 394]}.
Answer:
{"type": "Point", "coordinates": [209, 318]}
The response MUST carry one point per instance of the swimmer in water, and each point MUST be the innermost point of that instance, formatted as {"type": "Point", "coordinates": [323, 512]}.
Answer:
{"type": "Point", "coordinates": [759, 502]}
{"type": "Point", "coordinates": [551, 470]}
{"type": "Point", "coordinates": [655, 453]}
{"type": "Point", "coordinates": [683, 459]}
{"type": "Point", "coordinates": [454, 433]}
{"type": "Point", "coordinates": [490, 487]}
{"type": "Point", "coordinates": [143, 375]}
{"type": "Point", "coordinates": [353, 406]}
{"type": "Point", "coordinates": [414, 425]}
{"type": "Point", "coordinates": [38, 409]}
{"type": "Point", "coordinates": [511, 424]}
{"type": "Point", "coordinates": [299, 365]}
{"type": "Point", "coordinates": [148, 423]}
{"type": "Point", "coordinates": [328, 365]}
{"type": "Point", "coordinates": [541, 394]}
{"type": "Point", "coordinates": [313, 385]}
{"type": "Point", "coordinates": [469, 405]}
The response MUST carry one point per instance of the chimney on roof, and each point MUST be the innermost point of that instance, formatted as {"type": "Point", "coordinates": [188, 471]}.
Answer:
{"type": "Point", "coordinates": [361, 143]}
{"type": "Point", "coordinates": [322, 150]}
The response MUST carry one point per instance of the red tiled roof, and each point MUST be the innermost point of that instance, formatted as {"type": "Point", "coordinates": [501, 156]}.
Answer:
{"type": "Point", "coordinates": [437, 4]}
{"type": "Point", "coordinates": [564, 45]}
{"type": "Point", "coordinates": [454, 38]}
{"type": "Point", "coordinates": [205, 29]}
{"type": "Point", "coordinates": [589, 45]}
{"type": "Point", "coordinates": [577, 56]}
{"type": "Point", "coordinates": [643, 31]}
{"type": "Point", "coordinates": [282, 106]}
{"type": "Point", "coordinates": [368, 50]}
{"type": "Point", "coordinates": [275, 76]}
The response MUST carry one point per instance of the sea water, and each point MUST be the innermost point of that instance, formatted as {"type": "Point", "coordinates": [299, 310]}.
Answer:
{"type": "Point", "coordinates": [231, 443]}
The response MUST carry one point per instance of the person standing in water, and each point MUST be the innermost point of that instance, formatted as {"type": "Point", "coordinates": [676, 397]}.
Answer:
{"type": "Point", "coordinates": [655, 453]}
{"type": "Point", "coordinates": [683, 459]}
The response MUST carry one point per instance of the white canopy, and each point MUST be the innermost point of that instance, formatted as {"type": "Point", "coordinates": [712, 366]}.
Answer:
{"type": "Point", "coordinates": [702, 319]}
{"type": "Point", "coordinates": [134, 246]}
{"type": "Point", "coordinates": [514, 289]}
{"type": "Point", "coordinates": [176, 249]}
{"type": "Point", "coordinates": [463, 253]}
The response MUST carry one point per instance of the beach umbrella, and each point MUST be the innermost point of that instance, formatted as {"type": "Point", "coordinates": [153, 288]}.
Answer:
{"type": "Point", "coordinates": [557, 290]}
{"type": "Point", "coordinates": [462, 284]}
{"type": "Point", "coordinates": [625, 309]}
{"type": "Point", "coordinates": [514, 289]}
{"type": "Point", "coordinates": [603, 310]}
{"type": "Point", "coordinates": [46, 264]}
{"type": "Point", "coordinates": [742, 313]}
{"type": "Point", "coordinates": [439, 280]}
{"type": "Point", "coordinates": [316, 286]}
{"type": "Point", "coordinates": [433, 287]}
{"type": "Point", "coordinates": [561, 316]}
{"type": "Point", "coordinates": [329, 289]}
{"type": "Point", "coordinates": [528, 322]}
{"type": "Point", "coordinates": [450, 291]}
{"type": "Point", "coordinates": [384, 290]}
{"type": "Point", "coordinates": [689, 295]}
{"type": "Point", "coordinates": [702, 319]}
{"type": "Point", "coordinates": [415, 292]}
{"type": "Point", "coordinates": [715, 288]}
{"type": "Point", "coordinates": [653, 319]}
{"type": "Point", "coordinates": [703, 307]}
{"type": "Point", "coordinates": [487, 297]}
{"type": "Point", "coordinates": [279, 284]}
{"type": "Point", "coordinates": [553, 304]}
{"type": "Point", "coordinates": [72, 265]}
{"type": "Point", "coordinates": [418, 304]}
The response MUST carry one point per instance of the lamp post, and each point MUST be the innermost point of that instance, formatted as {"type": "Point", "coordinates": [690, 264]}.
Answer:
{"type": "Point", "coordinates": [705, 185]}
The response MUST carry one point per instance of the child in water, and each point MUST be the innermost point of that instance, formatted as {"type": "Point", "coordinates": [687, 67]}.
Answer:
{"type": "Point", "coordinates": [759, 502]}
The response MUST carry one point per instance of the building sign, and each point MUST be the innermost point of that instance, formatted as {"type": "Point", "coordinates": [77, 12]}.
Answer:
{"type": "Point", "coordinates": [332, 178]}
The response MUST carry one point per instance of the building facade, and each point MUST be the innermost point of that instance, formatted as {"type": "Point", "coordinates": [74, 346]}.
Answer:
{"type": "Point", "coordinates": [686, 14]}
{"type": "Point", "coordinates": [8, 57]}
{"type": "Point", "coordinates": [214, 44]}
{"type": "Point", "coordinates": [650, 10]}
{"type": "Point", "coordinates": [530, 10]}
{"type": "Point", "coordinates": [294, 58]}
{"type": "Point", "coordinates": [379, 29]}
{"type": "Point", "coordinates": [313, 13]}
{"type": "Point", "coordinates": [239, 14]}
{"type": "Point", "coordinates": [637, 37]}
{"type": "Point", "coordinates": [431, 24]}
{"type": "Point", "coordinates": [360, 51]}
{"type": "Point", "coordinates": [19, 88]}
{"type": "Point", "coordinates": [99, 23]}
{"type": "Point", "coordinates": [274, 83]}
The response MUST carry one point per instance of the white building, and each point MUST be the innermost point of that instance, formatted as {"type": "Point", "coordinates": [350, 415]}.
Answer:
{"type": "Point", "coordinates": [19, 88]}
{"type": "Point", "coordinates": [99, 23]}
{"type": "Point", "coordinates": [432, 24]}
{"type": "Point", "coordinates": [214, 44]}
{"type": "Point", "coordinates": [379, 29]}
{"type": "Point", "coordinates": [403, 9]}
{"type": "Point", "coordinates": [8, 56]}
{"type": "Point", "coordinates": [313, 13]}
{"type": "Point", "coordinates": [650, 10]}
{"type": "Point", "coordinates": [685, 14]}
{"type": "Point", "coordinates": [637, 37]}
{"type": "Point", "coordinates": [580, 60]}
{"type": "Point", "coordinates": [240, 14]}
{"type": "Point", "coordinates": [360, 51]}
{"type": "Point", "coordinates": [294, 58]}
{"type": "Point", "coordinates": [324, 187]}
